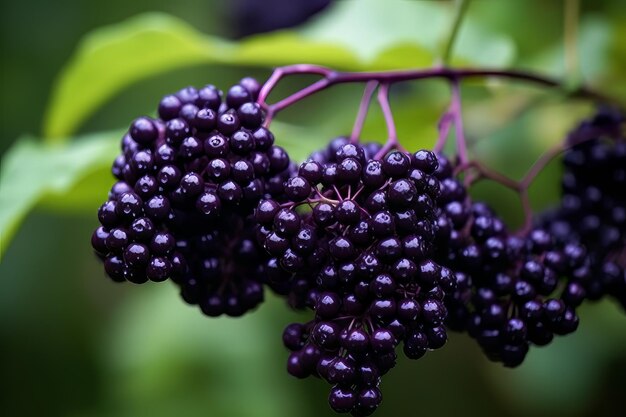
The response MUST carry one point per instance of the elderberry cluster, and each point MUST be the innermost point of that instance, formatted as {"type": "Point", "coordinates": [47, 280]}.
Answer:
{"type": "Point", "coordinates": [188, 182]}
{"type": "Point", "coordinates": [512, 291]}
{"type": "Point", "coordinates": [361, 230]}
{"type": "Point", "coordinates": [592, 211]}
{"type": "Point", "coordinates": [384, 249]}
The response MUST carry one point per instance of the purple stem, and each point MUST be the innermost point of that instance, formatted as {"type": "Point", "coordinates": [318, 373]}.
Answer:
{"type": "Point", "coordinates": [332, 77]}
{"type": "Point", "coordinates": [456, 110]}
{"type": "Point", "coordinates": [383, 99]}
{"type": "Point", "coordinates": [452, 115]}
{"type": "Point", "coordinates": [392, 135]}
{"type": "Point", "coordinates": [280, 72]}
{"type": "Point", "coordinates": [444, 129]}
{"type": "Point", "coordinates": [370, 87]}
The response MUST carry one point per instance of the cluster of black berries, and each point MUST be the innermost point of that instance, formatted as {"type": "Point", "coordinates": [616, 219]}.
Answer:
{"type": "Point", "coordinates": [361, 231]}
{"type": "Point", "coordinates": [593, 206]}
{"type": "Point", "coordinates": [385, 249]}
{"type": "Point", "coordinates": [188, 183]}
{"type": "Point", "coordinates": [512, 291]}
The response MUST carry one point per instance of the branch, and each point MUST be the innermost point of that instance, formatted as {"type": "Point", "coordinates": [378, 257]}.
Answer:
{"type": "Point", "coordinates": [331, 77]}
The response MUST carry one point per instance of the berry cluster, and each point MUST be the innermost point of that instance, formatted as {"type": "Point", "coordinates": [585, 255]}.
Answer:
{"type": "Point", "coordinates": [517, 290]}
{"type": "Point", "coordinates": [385, 249]}
{"type": "Point", "coordinates": [188, 182]}
{"type": "Point", "coordinates": [512, 291]}
{"type": "Point", "coordinates": [593, 206]}
{"type": "Point", "coordinates": [365, 243]}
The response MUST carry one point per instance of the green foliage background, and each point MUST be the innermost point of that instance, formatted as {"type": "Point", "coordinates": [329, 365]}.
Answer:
{"type": "Point", "coordinates": [74, 75]}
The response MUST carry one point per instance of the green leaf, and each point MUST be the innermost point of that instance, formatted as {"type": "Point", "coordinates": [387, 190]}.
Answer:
{"type": "Point", "coordinates": [477, 46]}
{"type": "Point", "coordinates": [351, 36]}
{"type": "Point", "coordinates": [111, 58]}
{"type": "Point", "coordinates": [288, 47]}
{"type": "Point", "coordinates": [169, 359]}
{"type": "Point", "coordinates": [370, 27]}
{"type": "Point", "coordinates": [593, 48]}
{"type": "Point", "coordinates": [31, 170]}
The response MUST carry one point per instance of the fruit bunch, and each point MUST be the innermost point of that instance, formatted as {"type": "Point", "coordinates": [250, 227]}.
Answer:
{"type": "Point", "coordinates": [384, 247]}
{"type": "Point", "coordinates": [512, 290]}
{"type": "Point", "coordinates": [370, 224]}
{"type": "Point", "coordinates": [592, 211]}
{"type": "Point", "coordinates": [188, 183]}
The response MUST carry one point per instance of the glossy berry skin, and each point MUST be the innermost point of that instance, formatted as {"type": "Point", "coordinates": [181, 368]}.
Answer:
{"type": "Point", "coordinates": [388, 254]}
{"type": "Point", "coordinates": [590, 220]}
{"type": "Point", "coordinates": [525, 289]}
{"type": "Point", "coordinates": [189, 183]}
{"type": "Point", "coordinates": [372, 223]}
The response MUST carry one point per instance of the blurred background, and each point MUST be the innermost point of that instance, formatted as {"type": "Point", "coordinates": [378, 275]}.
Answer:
{"type": "Point", "coordinates": [75, 344]}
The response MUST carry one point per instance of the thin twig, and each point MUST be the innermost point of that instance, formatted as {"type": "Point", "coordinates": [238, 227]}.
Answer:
{"type": "Point", "coordinates": [370, 87]}
{"type": "Point", "coordinates": [457, 114]}
{"type": "Point", "coordinates": [392, 135]}
{"type": "Point", "coordinates": [443, 126]}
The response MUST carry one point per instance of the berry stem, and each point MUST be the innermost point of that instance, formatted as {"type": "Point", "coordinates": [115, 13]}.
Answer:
{"type": "Point", "coordinates": [331, 77]}
{"type": "Point", "coordinates": [454, 114]}
{"type": "Point", "coordinates": [540, 164]}
{"type": "Point", "coordinates": [281, 72]}
{"type": "Point", "coordinates": [519, 187]}
{"type": "Point", "coordinates": [443, 126]}
{"type": "Point", "coordinates": [370, 87]}
{"type": "Point", "coordinates": [392, 135]}
{"type": "Point", "coordinates": [527, 210]}
{"type": "Point", "coordinates": [482, 172]}
{"type": "Point", "coordinates": [383, 100]}
{"type": "Point", "coordinates": [456, 111]}
{"type": "Point", "coordinates": [556, 150]}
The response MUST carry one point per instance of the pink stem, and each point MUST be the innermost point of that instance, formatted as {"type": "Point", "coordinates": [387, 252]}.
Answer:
{"type": "Point", "coordinates": [555, 151]}
{"type": "Point", "coordinates": [383, 100]}
{"type": "Point", "coordinates": [392, 135]}
{"type": "Point", "coordinates": [281, 72]}
{"type": "Point", "coordinates": [331, 77]}
{"type": "Point", "coordinates": [272, 109]}
{"type": "Point", "coordinates": [370, 87]}
{"type": "Point", "coordinates": [456, 111]}
{"type": "Point", "coordinates": [485, 173]}
{"type": "Point", "coordinates": [452, 115]}
{"type": "Point", "coordinates": [527, 210]}
{"type": "Point", "coordinates": [444, 130]}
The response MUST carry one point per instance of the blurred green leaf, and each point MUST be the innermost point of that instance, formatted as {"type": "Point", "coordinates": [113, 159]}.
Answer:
{"type": "Point", "coordinates": [110, 58]}
{"type": "Point", "coordinates": [562, 377]}
{"type": "Point", "coordinates": [363, 28]}
{"type": "Point", "coordinates": [353, 36]}
{"type": "Point", "coordinates": [614, 77]}
{"type": "Point", "coordinates": [31, 170]}
{"type": "Point", "coordinates": [593, 44]}
{"type": "Point", "coordinates": [478, 46]}
{"type": "Point", "coordinates": [167, 358]}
